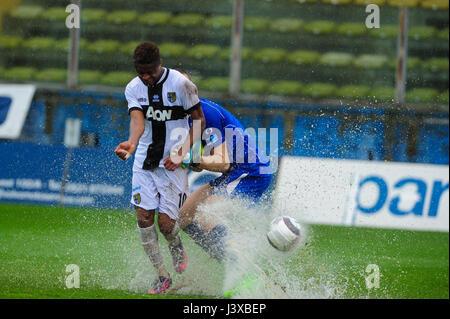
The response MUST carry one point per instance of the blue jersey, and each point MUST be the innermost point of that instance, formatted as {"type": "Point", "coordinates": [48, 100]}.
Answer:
{"type": "Point", "coordinates": [248, 174]}
{"type": "Point", "coordinates": [221, 126]}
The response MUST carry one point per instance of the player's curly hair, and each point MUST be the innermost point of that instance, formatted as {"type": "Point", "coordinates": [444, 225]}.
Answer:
{"type": "Point", "coordinates": [146, 53]}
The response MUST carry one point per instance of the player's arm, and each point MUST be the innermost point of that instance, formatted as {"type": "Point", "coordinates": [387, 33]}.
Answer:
{"type": "Point", "coordinates": [195, 132]}
{"type": "Point", "coordinates": [218, 161]}
{"type": "Point", "coordinates": [137, 127]}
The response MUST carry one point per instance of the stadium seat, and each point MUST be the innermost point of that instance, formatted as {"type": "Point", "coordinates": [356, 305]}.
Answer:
{"type": "Point", "coordinates": [433, 146]}
{"type": "Point", "coordinates": [406, 3]}
{"type": "Point", "coordinates": [385, 31]}
{"type": "Point", "coordinates": [155, 18]}
{"type": "Point", "coordinates": [256, 23]}
{"type": "Point", "coordinates": [370, 61]}
{"type": "Point", "coordinates": [352, 29]}
{"type": "Point", "coordinates": [117, 78]}
{"type": "Point", "coordinates": [320, 90]}
{"type": "Point", "coordinates": [187, 20]}
{"type": "Point", "coordinates": [320, 27]}
{"type": "Point", "coordinates": [443, 34]}
{"type": "Point", "coordinates": [19, 74]}
{"type": "Point", "coordinates": [51, 75]}
{"type": "Point", "coordinates": [27, 12]}
{"type": "Point", "coordinates": [434, 4]}
{"type": "Point", "coordinates": [246, 53]}
{"type": "Point", "coordinates": [203, 51]}
{"type": "Point", "coordinates": [121, 17]}
{"type": "Point", "coordinates": [129, 47]}
{"type": "Point", "coordinates": [64, 44]}
{"type": "Point", "coordinates": [336, 59]}
{"type": "Point", "coordinates": [39, 43]}
{"type": "Point", "coordinates": [89, 15]}
{"type": "Point", "coordinates": [172, 49]}
{"type": "Point", "coordinates": [304, 1]}
{"type": "Point", "coordinates": [254, 86]}
{"type": "Point", "coordinates": [421, 33]}
{"type": "Point", "coordinates": [337, 1]}
{"type": "Point", "coordinates": [422, 95]}
{"type": "Point", "coordinates": [366, 2]}
{"type": "Point", "coordinates": [411, 63]}
{"type": "Point", "coordinates": [269, 55]}
{"type": "Point", "coordinates": [285, 25]}
{"type": "Point", "coordinates": [436, 65]}
{"type": "Point", "coordinates": [89, 77]}
{"type": "Point", "coordinates": [54, 14]}
{"type": "Point", "coordinates": [215, 84]}
{"type": "Point", "coordinates": [286, 88]}
{"type": "Point", "coordinates": [10, 42]}
{"type": "Point", "coordinates": [219, 22]}
{"type": "Point", "coordinates": [303, 57]}
{"type": "Point", "coordinates": [316, 137]}
{"type": "Point", "coordinates": [103, 46]}
{"type": "Point", "coordinates": [386, 94]}
{"type": "Point", "coordinates": [443, 97]}
{"type": "Point", "coordinates": [353, 92]}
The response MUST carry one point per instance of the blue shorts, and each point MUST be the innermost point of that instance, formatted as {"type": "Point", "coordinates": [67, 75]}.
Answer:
{"type": "Point", "coordinates": [241, 184]}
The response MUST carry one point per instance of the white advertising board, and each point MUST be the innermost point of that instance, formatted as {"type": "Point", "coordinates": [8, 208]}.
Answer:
{"type": "Point", "coordinates": [15, 101]}
{"type": "Point", "coordinates": [363, 193]}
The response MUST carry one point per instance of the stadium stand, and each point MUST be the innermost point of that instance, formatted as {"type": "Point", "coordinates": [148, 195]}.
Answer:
{"type": "Point", "coordinates": [305, 49]}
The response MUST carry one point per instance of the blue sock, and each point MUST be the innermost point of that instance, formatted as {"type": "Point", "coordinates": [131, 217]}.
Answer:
{"type": "Point", "coordinates": [212, 242]}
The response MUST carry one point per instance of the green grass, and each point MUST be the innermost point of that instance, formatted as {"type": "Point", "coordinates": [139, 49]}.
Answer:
{"type": "Point", "coordinates": [37, 242]}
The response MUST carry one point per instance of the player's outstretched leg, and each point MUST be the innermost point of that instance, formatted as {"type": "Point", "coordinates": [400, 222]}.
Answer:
{"type": "Point", "coordinates": [149, 238]}
{"type": "Point", "coordinates": [170, 229]}
{"type": "Point", "coordinates": [213, 241]}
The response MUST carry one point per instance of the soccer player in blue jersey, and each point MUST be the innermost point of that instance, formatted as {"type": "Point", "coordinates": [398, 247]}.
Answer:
{"type": "Point", "coordinates": [246, 173]}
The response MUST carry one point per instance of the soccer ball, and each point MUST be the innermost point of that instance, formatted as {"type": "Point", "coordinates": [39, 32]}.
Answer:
{"type": "Point", "coordinates": [284, 233]}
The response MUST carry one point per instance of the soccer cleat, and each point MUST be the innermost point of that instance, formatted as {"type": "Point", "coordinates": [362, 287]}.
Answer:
{"type": "Point", "coordinates": [160, 285]}
{"type": "Point", "coordinates": [248, 283]}
{"type": "Point", "coordinates": [179, 258]}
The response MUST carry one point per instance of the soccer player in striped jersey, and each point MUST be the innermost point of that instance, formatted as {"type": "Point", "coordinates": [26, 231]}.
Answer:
{"type": "Point", "coordinates": [160, 102]}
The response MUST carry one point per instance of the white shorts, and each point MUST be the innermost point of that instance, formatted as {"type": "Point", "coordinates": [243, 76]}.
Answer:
{"type": "Point", "coordinates": [160, 188]}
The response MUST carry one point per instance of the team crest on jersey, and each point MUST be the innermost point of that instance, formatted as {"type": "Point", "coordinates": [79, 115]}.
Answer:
{"type": "Point", "coordinates": [137, 198]}
{"type": "Point", "coordinates": [172, 97]}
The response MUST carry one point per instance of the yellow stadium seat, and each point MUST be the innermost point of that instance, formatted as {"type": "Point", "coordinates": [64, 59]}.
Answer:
{"type": "Point", "coordinates": [337, 1]}
{"type": "Point", "coordinates": [434, 4]}
{"type": "Point", "coordinates": [303, 1]}
{"type": "Point", "coordinates": [406, 3]}
{"type": "Point", "coordinates": [366, 2]}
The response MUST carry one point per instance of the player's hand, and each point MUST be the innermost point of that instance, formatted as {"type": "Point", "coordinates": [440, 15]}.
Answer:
{"type": "Point", "coordinates": [124, 150]}
{"type": "Point", "coordinates": [172, 162]}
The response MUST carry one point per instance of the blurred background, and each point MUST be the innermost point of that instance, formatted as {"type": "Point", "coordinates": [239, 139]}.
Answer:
{"type": "Point", "coordinates": [310, 68]}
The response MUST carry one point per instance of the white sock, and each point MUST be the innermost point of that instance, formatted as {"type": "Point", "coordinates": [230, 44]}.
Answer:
{"type": "Point", "coordinates": [149, 238]}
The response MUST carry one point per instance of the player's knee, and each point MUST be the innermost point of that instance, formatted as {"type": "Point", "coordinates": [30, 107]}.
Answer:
{"type": "Point", "coordinates": [146, 218]}
{"type": "Point", "coordinates": [165, 224]}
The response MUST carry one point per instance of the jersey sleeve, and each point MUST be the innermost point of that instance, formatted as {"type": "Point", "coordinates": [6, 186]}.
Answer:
{"type": "Point", "coordinates": [133, 103]}
{"type": "Point", "coordinates": [216, 133]}
{"type": "Point", "coordinates": [189, 95]}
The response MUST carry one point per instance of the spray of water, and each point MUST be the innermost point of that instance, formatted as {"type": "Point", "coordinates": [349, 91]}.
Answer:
{"type": "Point", "coordinates": [298, 274]}
{"type": "Point", "coordinates": [274, 274]}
